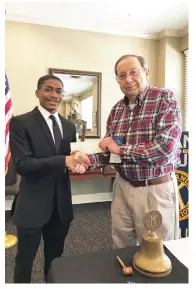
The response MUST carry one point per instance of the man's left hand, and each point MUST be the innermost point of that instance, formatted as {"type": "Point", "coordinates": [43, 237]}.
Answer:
{"type": "Point", "coordinates": [107, 144]}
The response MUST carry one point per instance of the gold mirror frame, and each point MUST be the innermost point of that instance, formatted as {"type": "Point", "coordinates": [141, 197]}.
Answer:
{"type": "Point", "coordinates": [96, 115]}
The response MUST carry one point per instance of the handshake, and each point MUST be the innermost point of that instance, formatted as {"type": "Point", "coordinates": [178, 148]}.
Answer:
{"type": "Point", "coordinates": [78, 162]}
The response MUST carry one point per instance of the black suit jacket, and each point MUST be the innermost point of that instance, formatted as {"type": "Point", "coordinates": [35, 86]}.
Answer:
{"type": "Point", "coordinates": [42, 170]}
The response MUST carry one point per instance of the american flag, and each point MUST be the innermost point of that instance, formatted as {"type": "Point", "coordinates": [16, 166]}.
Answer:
{"type": "Point", "coordinates": [8, 116]}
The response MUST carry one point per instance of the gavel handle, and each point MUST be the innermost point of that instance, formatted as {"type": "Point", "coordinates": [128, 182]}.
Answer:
{"type": "Point", "coordinates": [121, 262]}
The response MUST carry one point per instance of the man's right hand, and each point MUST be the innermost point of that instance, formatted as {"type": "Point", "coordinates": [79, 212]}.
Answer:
{"type": "Point", "coordinates": [82, 159]}
{"type": "Point", "coordinates": [77, 162]}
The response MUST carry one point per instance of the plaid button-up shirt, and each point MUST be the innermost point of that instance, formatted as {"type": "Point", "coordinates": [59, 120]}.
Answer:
{"type": "Point", "coordinates": [151, 131]}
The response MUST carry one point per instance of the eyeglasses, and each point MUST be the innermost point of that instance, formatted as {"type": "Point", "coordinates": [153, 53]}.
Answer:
{"type": "Point", "coordinates": [51, 89]}
{"type": "Point", "coordinates": [133, 73]}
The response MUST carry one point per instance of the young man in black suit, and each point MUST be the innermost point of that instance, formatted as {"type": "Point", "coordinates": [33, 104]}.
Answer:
{"type": "Point", "coordinates": [40, 149]}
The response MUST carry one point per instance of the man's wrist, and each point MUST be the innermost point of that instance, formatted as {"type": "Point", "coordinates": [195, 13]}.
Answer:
{"type": "Point", "coordinates": [118, 150]}
{"type": "Point", "coordinates": [92, 160]}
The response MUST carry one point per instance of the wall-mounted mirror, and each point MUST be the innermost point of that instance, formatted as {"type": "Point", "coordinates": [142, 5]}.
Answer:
{"type": "Point", "coordinates": [82, 98]}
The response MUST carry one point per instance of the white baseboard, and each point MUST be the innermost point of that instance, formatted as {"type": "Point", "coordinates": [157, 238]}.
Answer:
{"type": "Point", "coordinates": [77, 199]}
{"type": "Point", "coordinates": [92, 198]}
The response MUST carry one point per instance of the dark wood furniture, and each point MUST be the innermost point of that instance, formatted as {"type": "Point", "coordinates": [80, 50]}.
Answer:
{"type": "Point", "coordinates": [103, 173]}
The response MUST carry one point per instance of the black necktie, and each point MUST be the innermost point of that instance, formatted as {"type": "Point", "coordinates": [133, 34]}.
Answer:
{"type": "Point", "coordinates": [57, 132]}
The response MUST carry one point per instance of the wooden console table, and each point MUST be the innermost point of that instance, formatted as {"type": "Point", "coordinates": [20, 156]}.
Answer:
{"type": "Point", "coordinates": [103, 173]}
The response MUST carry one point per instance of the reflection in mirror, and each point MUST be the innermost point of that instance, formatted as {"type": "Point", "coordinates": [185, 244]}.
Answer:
{"type": "Point", "coordinates": [82, 98]}
{"type": "Point", "coordinates": [80, 129]}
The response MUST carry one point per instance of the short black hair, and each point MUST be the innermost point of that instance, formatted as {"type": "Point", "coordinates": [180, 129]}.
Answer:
{"type": "Point", "coordinates": [47, 77]}
{"type": "Point", "coordinates": [141, 60]}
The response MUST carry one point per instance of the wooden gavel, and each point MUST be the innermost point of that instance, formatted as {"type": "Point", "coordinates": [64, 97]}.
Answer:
{"type": "Point", "coordinates": [125, 270]}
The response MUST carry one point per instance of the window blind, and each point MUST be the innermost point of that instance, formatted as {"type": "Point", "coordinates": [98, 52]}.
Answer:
{"type": "Point", "coordinates": [186, 55]}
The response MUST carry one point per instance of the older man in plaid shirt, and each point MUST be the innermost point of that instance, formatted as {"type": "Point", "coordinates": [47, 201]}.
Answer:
{"type": "Point", "coordinates": [147, 122]}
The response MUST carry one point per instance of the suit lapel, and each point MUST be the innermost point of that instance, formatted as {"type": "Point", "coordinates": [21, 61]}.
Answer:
{"type": "Point", "coordinates": [43, 125]}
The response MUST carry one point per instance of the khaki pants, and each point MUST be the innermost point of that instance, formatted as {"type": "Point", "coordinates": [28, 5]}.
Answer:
{"type": "Point", "coordinates": [130, 204]}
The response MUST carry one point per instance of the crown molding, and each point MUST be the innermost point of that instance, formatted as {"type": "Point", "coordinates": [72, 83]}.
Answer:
{"type": "Point", "coordinates": [18, 18]}
{"type": "Point", "coordinates": [173, 33]}
{"type": "Point", "coordinates": [185, 31]}
{"type": "Point", "coordinates": [154, 36]}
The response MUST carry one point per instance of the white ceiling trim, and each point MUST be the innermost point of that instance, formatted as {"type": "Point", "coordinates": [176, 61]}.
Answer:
{"type": "Point", "coordinates": [19, 18]}
{"type": "Point", "coordinates": [184, 31]}
{"type": "Point", "coordinates": [173, 33]}
{"type": "Point", "coordinates": [155, 36]}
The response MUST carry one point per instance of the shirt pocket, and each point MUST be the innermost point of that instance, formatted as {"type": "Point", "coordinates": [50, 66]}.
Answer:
{"type": "Point", "coordinates": [143, 131]}
{"type": "Point", "coordinates": [148, 130]}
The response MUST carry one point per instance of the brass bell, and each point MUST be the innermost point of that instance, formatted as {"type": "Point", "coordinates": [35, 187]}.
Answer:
{"type": "Point", "coordinates": [10, 240]}
{"type": "Point", "coordinates": [151, 259]}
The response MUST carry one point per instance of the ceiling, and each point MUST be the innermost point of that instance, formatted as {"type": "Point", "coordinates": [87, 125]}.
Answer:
{"type": "Point", "coordinates": [132, 18]}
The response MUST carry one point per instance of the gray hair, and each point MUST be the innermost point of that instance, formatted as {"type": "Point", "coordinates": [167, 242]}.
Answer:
{"type": "Point", "coordinates": [141, 60]}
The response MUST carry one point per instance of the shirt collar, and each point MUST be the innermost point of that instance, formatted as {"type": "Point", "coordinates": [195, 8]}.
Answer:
{"type": "Point", "coordinates": [140, 97]}
{"type": "Point", "coordinates": [46, 113]}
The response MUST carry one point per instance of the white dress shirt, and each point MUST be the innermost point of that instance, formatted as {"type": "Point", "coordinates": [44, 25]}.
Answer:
{"type": "Point", "coordinates": [46, 114]}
